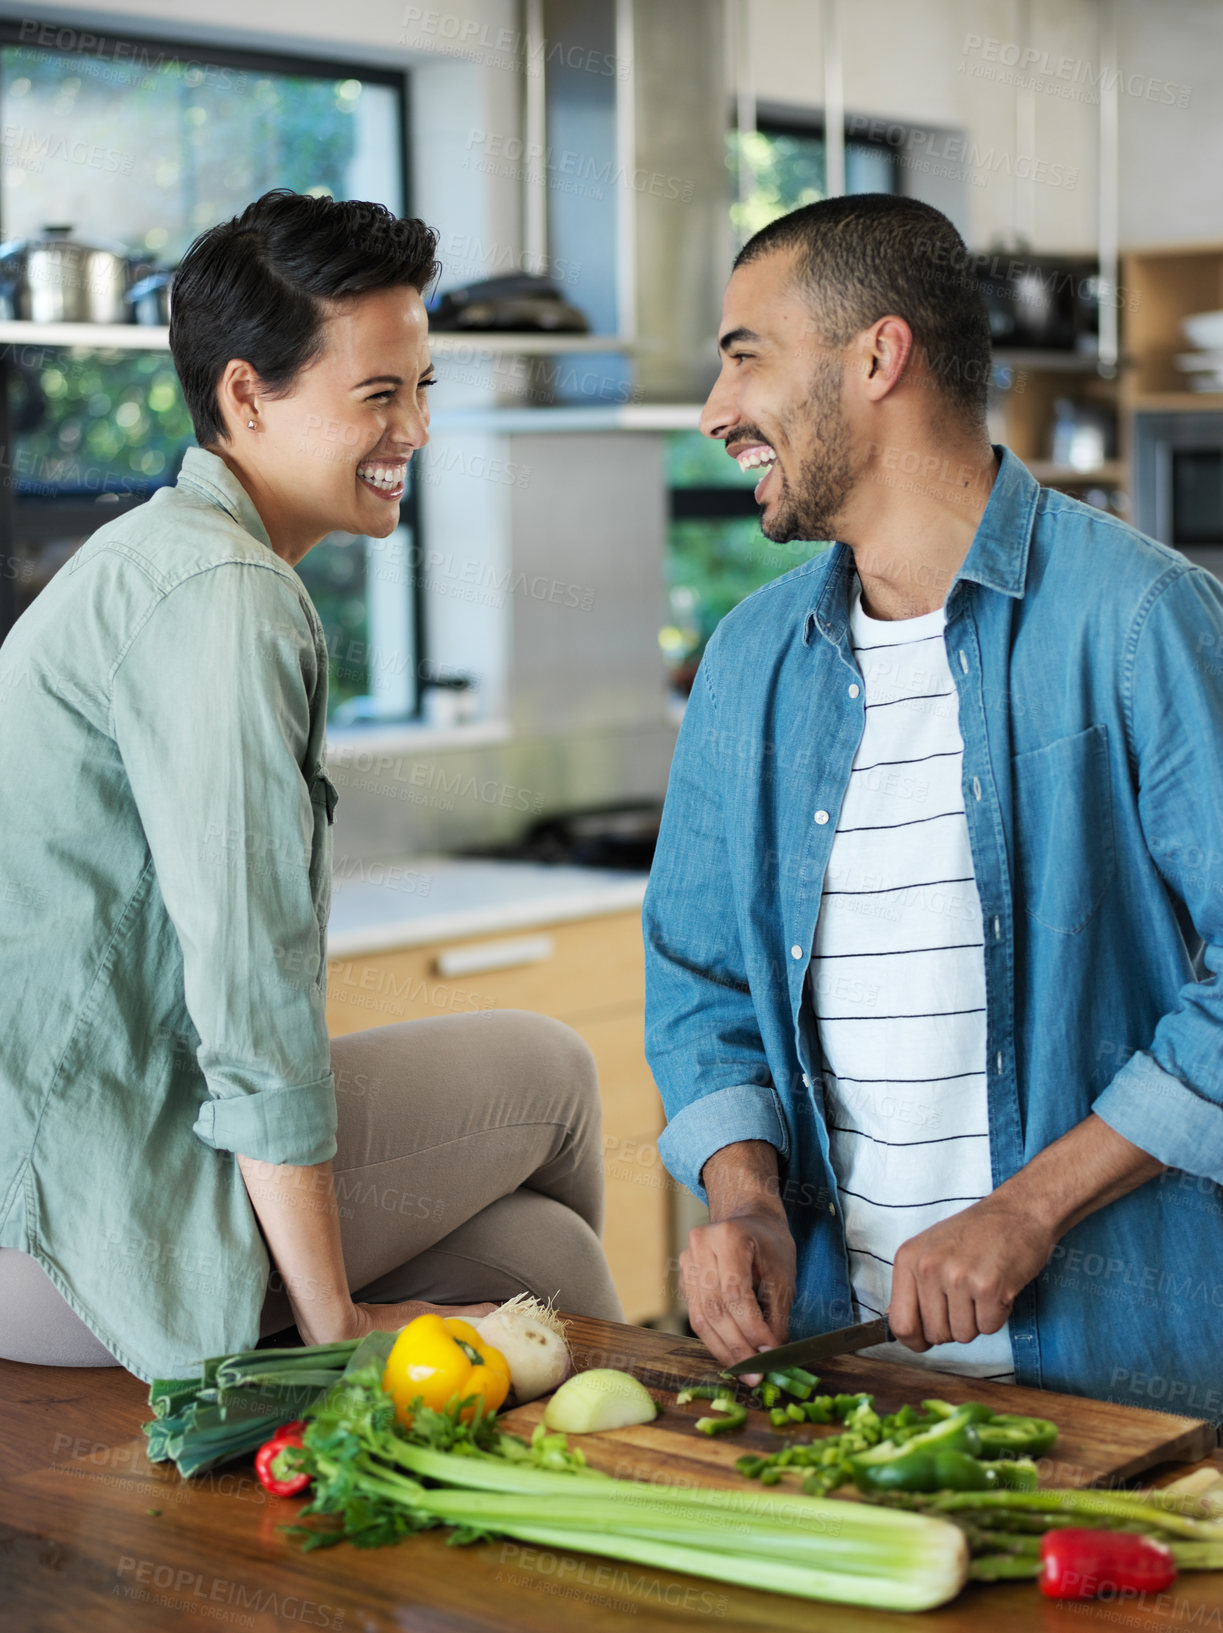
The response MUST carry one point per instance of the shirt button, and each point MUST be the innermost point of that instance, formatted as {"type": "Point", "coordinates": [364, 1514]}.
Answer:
{"type": "Point", "coordinates": [997, 929]}
{"type": "Point", "coordinates": [963, 661]}
{"type": "Point", "coordinates": [821, 817]}
{"type": "Point", "coordinates": [832, 1207]}
{"type": "Point", "coordinates": [976, 787]}
{"type": "Point", "coordinates": [854, 690]}
{"type": "Point", "coordinates": [806, 1081]}
{"type": "Point", "coordinates": [1000, 1060]}
{"type": "Point", "coordinates": [796, 952]}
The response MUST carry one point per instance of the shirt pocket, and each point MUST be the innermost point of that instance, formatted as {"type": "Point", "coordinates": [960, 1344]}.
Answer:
{"type": "Point", "coordinates": [1066, 851]}
{"type": "Point", "coordinates": [323, 798]}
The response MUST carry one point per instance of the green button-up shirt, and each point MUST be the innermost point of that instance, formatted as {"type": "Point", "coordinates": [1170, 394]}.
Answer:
{"type": "Point", "coordinates": [165, 863]}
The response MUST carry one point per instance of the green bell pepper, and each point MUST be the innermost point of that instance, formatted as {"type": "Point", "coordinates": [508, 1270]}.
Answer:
{"type": "Point", "coordinates": [958, 1433]}
{"type": "Point", "coordinates": [796, 1381]}
{"type": "Point", "coordinates": [1008, 1435]}
{"type": "Point", "coordinates": [976, 1411]}
{"type": "Point", "coordinates": [1003, 1434]}
{"type": "Point", "coordinates": [923, 1471]}
{"type": "Point", "coordinates": [735, 1416]}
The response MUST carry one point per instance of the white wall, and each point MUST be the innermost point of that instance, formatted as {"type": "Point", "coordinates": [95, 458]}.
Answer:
{"type": "Point", "coordinates": [927, 61]}
{"type": "Point", "coordinates": [1172, 177]}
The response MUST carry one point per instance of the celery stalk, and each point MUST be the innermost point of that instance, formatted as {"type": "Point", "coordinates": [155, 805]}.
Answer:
{"type": "Point", "coordinates": [932, 1580]}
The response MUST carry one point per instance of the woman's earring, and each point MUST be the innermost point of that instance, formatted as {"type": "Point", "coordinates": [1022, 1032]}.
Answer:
{"type": "Point", "coordinates": [251, 424]}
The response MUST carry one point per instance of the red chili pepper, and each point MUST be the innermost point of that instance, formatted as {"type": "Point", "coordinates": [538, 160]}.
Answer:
{"type": "Point", "coordinates": [265, 1461]}
{"type": "Point", "coordinates": [1080, 1563]}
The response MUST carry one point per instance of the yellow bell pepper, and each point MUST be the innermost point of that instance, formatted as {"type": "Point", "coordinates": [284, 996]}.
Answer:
{"type": "Point", "coordinates": [436, 1358]}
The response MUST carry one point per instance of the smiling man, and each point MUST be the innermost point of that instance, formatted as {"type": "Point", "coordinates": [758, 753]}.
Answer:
{"type": "Point", "coordinates": [934, 922]}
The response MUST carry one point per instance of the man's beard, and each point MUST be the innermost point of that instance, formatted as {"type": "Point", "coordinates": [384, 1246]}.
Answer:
{"type": "Point", "coordinates": [812, 508]}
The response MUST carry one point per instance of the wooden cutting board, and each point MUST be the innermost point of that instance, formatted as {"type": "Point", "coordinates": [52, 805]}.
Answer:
{"type": "Point", "coordinates": [1098, 1443]}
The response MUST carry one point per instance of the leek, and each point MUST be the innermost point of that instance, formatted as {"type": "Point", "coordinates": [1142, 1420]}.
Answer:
{"type": "Point", "coordinates": [237, 1402]}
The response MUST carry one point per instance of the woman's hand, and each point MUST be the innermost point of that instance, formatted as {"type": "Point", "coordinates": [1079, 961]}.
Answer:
{"type": "Point", "coordinates": [297, 1210]}
{"type": "Point", "coordinates": [369, 1318]}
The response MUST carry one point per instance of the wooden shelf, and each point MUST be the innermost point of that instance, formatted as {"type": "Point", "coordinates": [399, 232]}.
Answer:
{"type": "Point", "coordinates": [1162, 286]}
{"type": "Point", "coordinates": [1048, 362]}
{"type": "Point", "coordinates": [142, 337]}
{"type": "Point", "coordinates": [1175, 402]}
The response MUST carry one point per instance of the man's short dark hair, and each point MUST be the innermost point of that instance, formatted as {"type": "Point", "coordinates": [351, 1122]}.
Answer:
{"type": "Point", "coordinates": [255, 288]}
{"type": "Point", "coordinates": [867, 255]}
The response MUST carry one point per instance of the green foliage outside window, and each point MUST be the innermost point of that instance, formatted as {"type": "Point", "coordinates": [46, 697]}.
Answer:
{"type": "Point", "coordinates": [713, 562]}
{"type": "Point", "coordinates": [784, 172]}
{"type": "Point", "coordinates": [712, 565]}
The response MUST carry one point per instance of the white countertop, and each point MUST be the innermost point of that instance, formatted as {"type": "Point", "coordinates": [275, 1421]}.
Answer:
{"type": "Point", "coordinates": [376, 905]}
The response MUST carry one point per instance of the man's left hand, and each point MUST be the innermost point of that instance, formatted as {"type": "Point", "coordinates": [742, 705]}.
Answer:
{"type": "Point", "coordinates": [960, 1278]}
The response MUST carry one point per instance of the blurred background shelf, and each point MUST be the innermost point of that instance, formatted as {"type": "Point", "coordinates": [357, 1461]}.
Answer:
{"type": "Point", "coordinates": [127, 337]}
{"type": "Point", "coordinates": [148, 337]}
{"type": "Point", "coordinates": [1110, 474]}
{"type": "Point", "coordinates": [1054, 362]}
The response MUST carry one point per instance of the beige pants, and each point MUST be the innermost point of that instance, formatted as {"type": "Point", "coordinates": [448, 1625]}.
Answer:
{"type": "Point", "coordinates": [469, 1168]}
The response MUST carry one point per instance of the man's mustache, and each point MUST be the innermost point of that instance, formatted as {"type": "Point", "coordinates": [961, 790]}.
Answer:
{"type": "Point", "coordinates": [747, 433]}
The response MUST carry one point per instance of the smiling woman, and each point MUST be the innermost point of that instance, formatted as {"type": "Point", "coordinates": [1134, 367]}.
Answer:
{"type": "Point", "coordinates": [167, 1085]}
{"type": "Point", "coordinates": [293, 293]}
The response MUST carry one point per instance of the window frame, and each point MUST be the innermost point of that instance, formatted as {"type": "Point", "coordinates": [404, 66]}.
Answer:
{"type": "Point", "coordinates": [781, 119]}
{"type": "Point", "coordinates": [40, 518]}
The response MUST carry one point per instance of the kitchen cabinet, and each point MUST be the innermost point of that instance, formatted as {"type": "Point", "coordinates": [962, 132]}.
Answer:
{"type": "Point", "coordinates": [590, 974]}
{"type": "Point", "coordinates": [1025, 411]}
{"type": "Point", "coordinates": [1159, 286]}
{"type": "Point", "coordinates": [1163, 285]}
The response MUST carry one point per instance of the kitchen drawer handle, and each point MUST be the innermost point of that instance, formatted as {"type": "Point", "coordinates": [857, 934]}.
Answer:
{"type": "Point", "coordinates": [495, 955]}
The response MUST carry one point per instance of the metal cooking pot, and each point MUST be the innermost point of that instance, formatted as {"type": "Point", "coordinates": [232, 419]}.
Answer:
{"type": "Point", "coordinates": [150, 298]}
{"type": "Point", "coordinates": [55, 279]}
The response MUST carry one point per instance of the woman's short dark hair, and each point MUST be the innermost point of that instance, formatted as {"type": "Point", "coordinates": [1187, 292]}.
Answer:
{"type": "Point", "coordinates": [255, 288]}
{"type": "Point", "coordinates": [863, 256]}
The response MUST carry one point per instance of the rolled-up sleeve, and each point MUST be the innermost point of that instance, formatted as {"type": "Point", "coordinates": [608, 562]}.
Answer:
{"type": "Point", "coordinates": [1168, 1098]}
{"type": "Point", "coordinates": [212, 708]}
{"type": "Point", "coordinates": [702, 1033]}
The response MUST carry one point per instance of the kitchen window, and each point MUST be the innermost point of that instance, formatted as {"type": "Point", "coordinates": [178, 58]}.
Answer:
{"type": "Point", "coordinates": [783, 164]}
{"type": "Point", "coordinates": [716, 553]}
{"type": "Point", "coordinates": [143, 144]}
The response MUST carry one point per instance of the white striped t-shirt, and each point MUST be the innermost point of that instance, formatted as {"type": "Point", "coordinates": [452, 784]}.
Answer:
{"type": "Point", "coordinates": [897, 978]}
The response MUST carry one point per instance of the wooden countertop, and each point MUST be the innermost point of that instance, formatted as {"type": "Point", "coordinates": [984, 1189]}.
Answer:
{"type": "Point", "coordinates": [94, 1536]}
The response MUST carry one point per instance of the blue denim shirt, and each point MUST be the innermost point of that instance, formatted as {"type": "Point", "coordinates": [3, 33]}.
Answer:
{"type": "Point", "coordinates": [1089, 666]}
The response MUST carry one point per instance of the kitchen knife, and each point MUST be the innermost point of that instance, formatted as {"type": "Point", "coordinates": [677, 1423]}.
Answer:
{"type": "Point", "coordinates": [807, 1350]}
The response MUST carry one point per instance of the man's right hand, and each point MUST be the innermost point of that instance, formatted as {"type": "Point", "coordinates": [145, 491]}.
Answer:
{"type": "Point", "coordinates": [738, 1272]}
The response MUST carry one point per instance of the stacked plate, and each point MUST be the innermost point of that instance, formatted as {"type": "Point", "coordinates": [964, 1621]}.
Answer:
{"type": "Point", "coordinates": [1204, 366]}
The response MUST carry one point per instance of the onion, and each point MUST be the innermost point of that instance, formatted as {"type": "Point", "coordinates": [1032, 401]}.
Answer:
{"type": "Point", "coordinates": [599, 1399]}
{"type": "Point", "coordinates": [531, 1336]}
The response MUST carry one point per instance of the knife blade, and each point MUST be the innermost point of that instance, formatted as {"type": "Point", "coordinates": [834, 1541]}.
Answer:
{"type": "Point", "coordinates": [819, 1348]}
